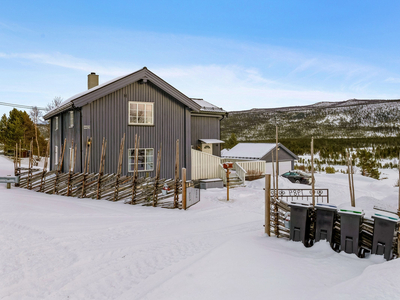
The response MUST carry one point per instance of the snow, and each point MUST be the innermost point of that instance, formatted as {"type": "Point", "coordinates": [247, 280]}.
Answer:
{"type": "Point", "coordinates": [250, 150]}
{"type": "Point", "coordinates": [56, 247]}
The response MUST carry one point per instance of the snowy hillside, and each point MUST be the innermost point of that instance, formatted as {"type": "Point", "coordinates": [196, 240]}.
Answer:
{"type": "Point", "coordinates": [351, 118]}
{"type": "Point", "coordinates": [57, 247]}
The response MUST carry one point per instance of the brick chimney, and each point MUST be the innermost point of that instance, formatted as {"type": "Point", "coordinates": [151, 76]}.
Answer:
{"type": "Point", "coordinates": [93, 80]}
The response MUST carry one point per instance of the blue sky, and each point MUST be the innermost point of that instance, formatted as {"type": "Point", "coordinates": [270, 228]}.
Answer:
{"type": "Point", "coordinates": [235, 54]}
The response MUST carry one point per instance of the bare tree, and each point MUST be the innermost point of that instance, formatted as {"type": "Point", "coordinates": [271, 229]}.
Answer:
{"type": "Point", "coordinates": [56, 102]}
{"type": "Point", "coordinates": [36, 114]}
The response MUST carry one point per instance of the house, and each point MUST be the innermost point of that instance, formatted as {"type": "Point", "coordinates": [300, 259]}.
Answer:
{"type": "Point", "coordinates": [139, 103]}
{"type": "Point", "coordinates": [264, 152]}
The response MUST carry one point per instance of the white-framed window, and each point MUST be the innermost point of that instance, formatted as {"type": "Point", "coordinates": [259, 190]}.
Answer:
{"type": "Point", "coordinates": [145, 159]}
{"type": "Point", "coordinates": [141, 113]}
{"type": "Point", "coordinates": [71, 157]}
{"type": "Point", "coordinates": [56, 155]}
{"type": "Point", "coordinates": [71, 119]}
{"type": "Point", "coordinates": [56, 123]}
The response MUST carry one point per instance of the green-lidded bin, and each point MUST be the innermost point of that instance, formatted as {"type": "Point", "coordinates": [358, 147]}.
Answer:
{"type": "Point", "coordinates": [384, 227]}
{"type": "Point", "coordinates": [350, 221]}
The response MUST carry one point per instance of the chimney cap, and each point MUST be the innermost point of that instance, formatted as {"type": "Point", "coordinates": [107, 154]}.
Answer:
{"type": "Point", "coordinates": [93, 73]}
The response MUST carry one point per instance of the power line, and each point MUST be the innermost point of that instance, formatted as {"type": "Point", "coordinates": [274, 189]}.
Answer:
{"type": "Point", "coordinates": [21, 106]}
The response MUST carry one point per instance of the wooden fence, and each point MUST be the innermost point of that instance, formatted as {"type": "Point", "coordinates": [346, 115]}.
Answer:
{"type": "Point", "coordinates": [147, 191]}
{"type": "Point", "coordinates": [113, 187]}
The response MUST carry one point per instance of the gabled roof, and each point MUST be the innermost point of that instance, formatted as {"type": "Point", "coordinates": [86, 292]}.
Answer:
{"type": "Point", "coordinates": [254, 150]}
{"type": "Point", "coordinates": [108, 87]}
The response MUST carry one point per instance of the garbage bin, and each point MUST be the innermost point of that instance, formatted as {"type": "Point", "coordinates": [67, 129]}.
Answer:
{"type": "Point", "coordinates": [299, 221]}
{"type": "Point", "coordinates": [350, 220]}
{"type": "Point", "coordinates": [384, 227]}
{"type": "Point", "coordinates": [325, 218]}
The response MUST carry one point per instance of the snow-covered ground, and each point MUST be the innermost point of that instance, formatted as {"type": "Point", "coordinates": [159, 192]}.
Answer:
{"type": "Point", "coordinates": [55, 247]}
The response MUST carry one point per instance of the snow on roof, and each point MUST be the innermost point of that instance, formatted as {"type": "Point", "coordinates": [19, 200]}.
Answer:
{"type": "Point", "coordinates": [250, 150]}
{"type": "Point", "coordinates": [207, 106]}
{"type": "Point", "coordinates": [212, 141]}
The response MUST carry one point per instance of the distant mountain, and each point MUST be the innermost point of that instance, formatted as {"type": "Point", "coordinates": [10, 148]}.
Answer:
{"type": "Point", "coordinates": [346, 119]}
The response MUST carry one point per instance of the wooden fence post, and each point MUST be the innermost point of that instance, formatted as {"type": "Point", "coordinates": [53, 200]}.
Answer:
{"type": "Point", "coordinates": [135, 169]}
{"type": "Point", "coordinates": [312, 171]}
{"type": "Point", "coordinates": [176, 191]}
{"type": "Point", "coordinates": [184, 188]}
{"type": "Point", "coordinates": [268, 204]}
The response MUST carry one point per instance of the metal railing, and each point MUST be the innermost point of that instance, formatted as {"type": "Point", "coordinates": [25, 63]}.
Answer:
{"type": "Point", "coordinates": [321, 195]}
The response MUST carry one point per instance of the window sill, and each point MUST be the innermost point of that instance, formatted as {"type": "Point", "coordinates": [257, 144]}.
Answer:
{"type": "Point", "coordinates": [140, 124]}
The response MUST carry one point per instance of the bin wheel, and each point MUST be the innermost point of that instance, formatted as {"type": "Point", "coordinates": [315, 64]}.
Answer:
{"type": "Point", "coordinates": [297, 181]}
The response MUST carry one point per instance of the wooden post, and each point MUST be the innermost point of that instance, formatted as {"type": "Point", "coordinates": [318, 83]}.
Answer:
{"type": "Point", "coordinates": [16, 159]}
{"type": "Point", "coordinates": [102, 158]}
{"type": "Point", "coordinates": [268, 204]}
{"type": "Point", "coordinates": [176, 191]}
{"type": "Point", "coordinates": [120, 159]}
{"type": "Point", "coordinates": [277, 163]}
{"type": "Point", "coordinates": [71, 158]}
{"type": "Point", "coordinates": [184, 188]}
{"type": "Point", "coordinates": [352, 184]}
{"type": "Point", "coordinates": [135, 169]}
{"type": "Point", "coordinates": [273, 176]}
{"type": "Point", "coordinates": [157, 179]}
{"type": "Point", "coordinates": [312, 171]}
{"type": "Point", "coordinates": [20, 153]}
{"type": "Point", "coordinates": [227, 184]}
{"type": "Point", "coordinates": [61, 160]}
{"type": "Point", "coordinates": [398, 208]}
{"type": "Point", "coordinates": [29, 186]}
{"type": "Point", "coordinates": [349, 171]}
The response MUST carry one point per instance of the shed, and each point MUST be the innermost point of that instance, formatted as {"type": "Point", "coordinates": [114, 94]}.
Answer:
{"type": "Point", "coordinates": [263, 151]}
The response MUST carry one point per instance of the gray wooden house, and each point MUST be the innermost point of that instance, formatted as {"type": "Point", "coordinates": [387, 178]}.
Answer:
{"type": "Point", "coordinates": [139, 103]}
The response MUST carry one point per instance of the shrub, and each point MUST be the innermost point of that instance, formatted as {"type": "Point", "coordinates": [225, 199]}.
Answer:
{"type": "Point", "coordinates": [330, 170]}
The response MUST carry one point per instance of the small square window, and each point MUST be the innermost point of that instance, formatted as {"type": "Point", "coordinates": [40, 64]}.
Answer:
{"type": "Point", "coordinates": [145, 159]}
{"type": "Point", "coordinates": [141, 113]}
{"type": "Point", "coordinates": [56, 123]}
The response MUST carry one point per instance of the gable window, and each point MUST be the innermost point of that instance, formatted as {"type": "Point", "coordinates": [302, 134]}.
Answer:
{"type": "Point", "coordinates": [141, 113]}
{"type": "Point", "coordinates": [56, 155]}
{"type": "Point", "coordinates": [56, 123]}
{"type": "Point", "coordinates": [71, 119]}
{"type": "Point", "coordinates": [145, 159]}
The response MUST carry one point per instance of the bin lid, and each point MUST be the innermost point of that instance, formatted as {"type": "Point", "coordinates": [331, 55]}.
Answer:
{"type": "Point", "coordinates": [300, 203]}
{"type": "Point", "coordinates": [326, 206]}
{"type": "Point", "coordinates": [387, 217]}
{"type": "Point", "coordinates": [351, 211]}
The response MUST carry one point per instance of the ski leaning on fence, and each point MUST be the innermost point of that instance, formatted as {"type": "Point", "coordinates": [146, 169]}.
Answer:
{"type": "Point", "coordinates": [149, 191]}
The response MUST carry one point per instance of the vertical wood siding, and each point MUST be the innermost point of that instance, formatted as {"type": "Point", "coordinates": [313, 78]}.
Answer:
{"type": "Point", "coordinates": [108, 118]}
{"type": "Point", "coordinates": [206, 128]}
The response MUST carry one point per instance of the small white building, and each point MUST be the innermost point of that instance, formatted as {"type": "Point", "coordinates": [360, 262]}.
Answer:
{"type": "Point", "coordinates": [263, 151]}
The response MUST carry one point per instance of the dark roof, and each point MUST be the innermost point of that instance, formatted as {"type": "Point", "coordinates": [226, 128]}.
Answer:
{"type": "Point", "coordinates": [106, 88]}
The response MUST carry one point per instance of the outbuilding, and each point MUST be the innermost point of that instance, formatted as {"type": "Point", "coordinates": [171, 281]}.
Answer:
{"type": "Point", "coordinates": [263, 151]}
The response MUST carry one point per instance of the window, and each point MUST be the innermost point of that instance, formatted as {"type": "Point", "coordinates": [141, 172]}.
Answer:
{"type": "Point", "coordinates": [140, 113]}
{"type": "Point", "coordinates": [56, 155]}
{"type": "Point", "coordinates": [56, 123]}
{"type": "Point", "coordinates": [71, 157]}
{"type": "Point", "coordinates": [71, 119]}
{"type": "Point", "coordinates": [145, 160]}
